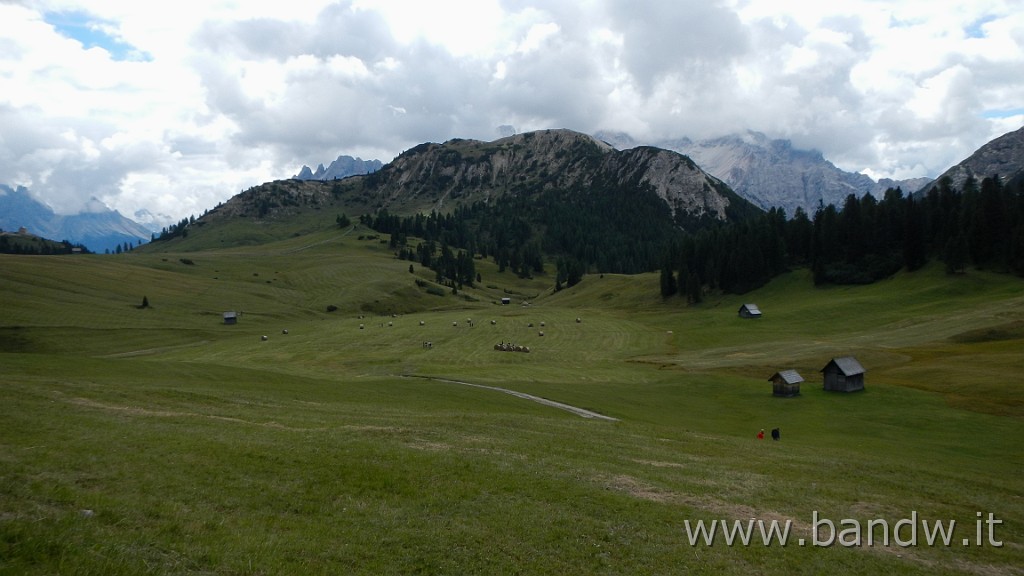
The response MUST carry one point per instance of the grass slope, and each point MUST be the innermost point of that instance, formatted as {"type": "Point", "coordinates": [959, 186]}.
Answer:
{"type": "Point", "coordinates": [158, 440]}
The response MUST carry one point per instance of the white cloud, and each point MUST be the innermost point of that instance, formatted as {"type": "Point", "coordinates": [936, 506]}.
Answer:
{"type": "Point", "coordinates": [174, 107]}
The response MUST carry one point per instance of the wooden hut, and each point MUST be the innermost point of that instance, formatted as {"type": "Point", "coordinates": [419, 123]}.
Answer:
{"type": "Point", "coordinates": [750, 311]}
{"type": "Point", "coordinates": [843, 374]}
{"type": "Point", "coordinates": [230, 317]}
{"type": "Point", "coordinates": [786, 383]}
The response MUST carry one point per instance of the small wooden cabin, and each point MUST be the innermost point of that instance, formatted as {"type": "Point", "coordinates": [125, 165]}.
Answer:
{"type": "Point", "coordinates": [786, 383]}
{"type": "Point", "coordinates": [843, 374]}
{"type": "Point", "coordinates": [230, 317]}
{"type": "Point", "coordinates": [750, 311]}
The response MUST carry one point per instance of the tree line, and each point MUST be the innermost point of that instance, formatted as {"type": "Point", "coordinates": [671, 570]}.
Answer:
{"type": "Point", "coordinates": [34, 246]}
{"type": "Point", "coordinates": [864, 240]}
{"type": "Point", "coordinates": [602, 229]}
{"type": "Point", "coordinates": [611, 231]}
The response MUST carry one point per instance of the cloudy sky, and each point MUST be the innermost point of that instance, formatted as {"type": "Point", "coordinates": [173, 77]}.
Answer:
{"type": "Point", "coordinates": [173, 107]}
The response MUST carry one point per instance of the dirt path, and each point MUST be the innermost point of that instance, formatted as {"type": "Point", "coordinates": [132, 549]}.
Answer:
{"type": "Point", "coordinates": [159, 350]}
{"type": "Point", "coordinates": [575, 410]}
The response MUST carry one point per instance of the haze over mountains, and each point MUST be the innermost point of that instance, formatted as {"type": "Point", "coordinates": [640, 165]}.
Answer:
{"type": "Point", "coordinates": [771, 173]}
{"type": "Point", "coordinates": [99, 230]}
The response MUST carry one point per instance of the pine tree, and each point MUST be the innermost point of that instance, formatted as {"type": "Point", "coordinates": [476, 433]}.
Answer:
{"type": "Point", "coordinates": [956, 254]}
{"type": "Point", "coordinates": [668, 280]}
{"type": "Point", "coordinates": [914, 250]}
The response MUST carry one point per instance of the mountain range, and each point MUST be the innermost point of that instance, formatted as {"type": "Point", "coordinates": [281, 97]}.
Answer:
{"type": "Point", "coordinates": [722, 171]}
{"type": "Point", "coordinates": [99, 229]}
{"type": "Point", "coordinates": [342, 167]}
{"type": "Point", "coordinates": [440, 177]}
{"type": "Point", "coordinates": [771, 173]}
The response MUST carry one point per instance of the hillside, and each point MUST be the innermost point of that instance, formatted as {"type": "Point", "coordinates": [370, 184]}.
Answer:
{"type": "Point", "coordinates": [99, 230]}
{"type": "Point", "coordinates": [355, 421]}
{"type": "Point", "coordinates": [551, 167]}
{"type": "Point", "coordinates": [1003, 156]}
{"type": "Point", "coordinates": [463, 171]}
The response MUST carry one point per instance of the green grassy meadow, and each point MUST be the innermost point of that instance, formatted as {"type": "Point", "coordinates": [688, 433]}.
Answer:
{"type": "Point", "coordinates": [160, 441]}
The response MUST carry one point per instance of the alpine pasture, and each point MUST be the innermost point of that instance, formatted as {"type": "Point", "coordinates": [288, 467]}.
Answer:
{"type": "Point", "coordinates": [158, 440]}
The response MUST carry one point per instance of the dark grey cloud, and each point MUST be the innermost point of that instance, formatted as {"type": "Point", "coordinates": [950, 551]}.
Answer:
{"type": "Point", "coordinates": [686, 38]}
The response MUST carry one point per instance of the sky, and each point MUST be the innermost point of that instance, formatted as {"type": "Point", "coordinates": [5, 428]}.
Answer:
{"type": "Point", "coordinates": [162, 110]}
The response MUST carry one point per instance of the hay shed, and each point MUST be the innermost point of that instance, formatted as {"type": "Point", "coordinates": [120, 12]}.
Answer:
{"type": "Point", "coordinates": [231, 317]}
{"type": "Point", "coordinates": [750, 311]}
{"type": "Point", "coordinates": [786, 383]}
{"type": "Point", "coordinates": [844, 374]}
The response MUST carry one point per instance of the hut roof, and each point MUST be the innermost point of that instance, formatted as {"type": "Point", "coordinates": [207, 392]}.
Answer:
{"type": "Point", "coordinates": [848, 365]}
{"type": "Point", "coordinates": [752, 308]}
{"type": "Point", "coordinates": [788, 376]}
{"type": "Point", "coordinates": [230, 314]}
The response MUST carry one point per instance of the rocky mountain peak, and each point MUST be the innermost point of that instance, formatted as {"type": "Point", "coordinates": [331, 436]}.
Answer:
{"type": "Point", "coordinates": [342, 167]}
{"type": "Point", "coordinates": [771, 173]}
{"type": "Point", "coordinates": [1003, 156]}
{"type": "Point", "coordinates": [533, 162]}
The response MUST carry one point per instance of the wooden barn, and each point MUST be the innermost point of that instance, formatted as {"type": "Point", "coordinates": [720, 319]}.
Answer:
{"type": "Point", "coordinates": [786, 383]}
{"type": "Point", "coordinates": [230, 317]}
{"type": "Point", "coordinates": [843, 375]}
{"type": "Point", "coordinates": [750, 311]}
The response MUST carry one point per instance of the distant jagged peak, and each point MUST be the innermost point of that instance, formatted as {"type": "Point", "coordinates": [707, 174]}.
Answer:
{"type": "Point", "coordinates": [95, 206]}
{"type": "Point", "coordinates": [617, 139]}
{"type": "Point", "coordinates": [771, 172]}
{"type": "Point", "coordinates": [343, 167]}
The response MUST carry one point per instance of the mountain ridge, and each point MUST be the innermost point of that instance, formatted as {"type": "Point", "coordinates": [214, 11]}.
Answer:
{"type": "Point", "coordinates": [466, 170]}
{"type": "Point", "coordinates": [99, 230]}
{"type": "Point", "coordinates": [342, 167]}
{"type": "Point", "coordinates": [1002, 156]}
{"type": "Point", "coordinates": [771, 173]}
{"type": "Point", "coordinates": [545, 180]}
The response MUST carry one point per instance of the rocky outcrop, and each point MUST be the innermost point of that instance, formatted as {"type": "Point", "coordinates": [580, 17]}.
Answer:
{"type": "Point", "coordinates": [1003, 157]}
{"type": "Point", "coordinates": [342, 167]}
{"type": "Point", "coordinates": [470, 170]}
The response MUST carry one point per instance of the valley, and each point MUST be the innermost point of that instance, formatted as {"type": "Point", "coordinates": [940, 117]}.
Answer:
{"type": "Point", "coordinates": [320, 435]}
